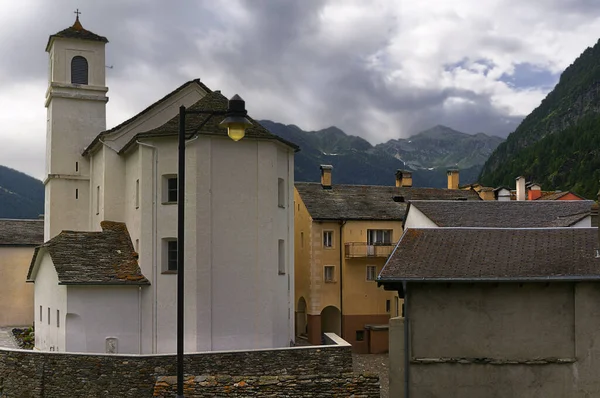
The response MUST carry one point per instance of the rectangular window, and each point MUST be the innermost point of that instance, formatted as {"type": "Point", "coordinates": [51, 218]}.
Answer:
{"type": "Point", "coordinates": [137, 194]}
{"type": "Point", "coordinates": [302, 240]}
{"type": "Point", "coordinates": [76, 166]}
{"type": "Point", "coordinates": [360, 335]}
{"type": "Point", "coordinates": [327, 238]}
{"type": "Point", "coordinates": [57, 318]}
{"type": "Point", "coordinates": [172, 189]}
{"type": "Point", "coordinates": [388, 305]}
{"type": "Point", "coordinates": [76, 193]}
{"type": "Point", "coordinates": [98, 200]}
{"type": "Point", "coordinates": [137, 246]}
{"type": "Point", "coordinates": [379, 236]}
{"type": "Point", "coordinates": [281, 252]}
{"type": "Point", "coordinates": [48, 315]}
{"type": "Point", "coordinates": [371, 272]}
{"type": "Point", "coordinates": [281, 192]}
{"type": "Point", "coordinates": [40, 313]}
{"type": "Point", "coordinates": [171, 255]}
{"type": "Point", "coordinates": [329, 273]}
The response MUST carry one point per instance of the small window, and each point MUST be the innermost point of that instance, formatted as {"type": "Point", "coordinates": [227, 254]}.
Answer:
{"type": "Point", "coordinates": [302, 240]}
{"type": "Point", "coordinates": [98, 200]}
{"type": "Point", "coordinates": [171, 261]}
{"type": "Point", "coordinates": [170, 189]}
{"type": "Point", "coordinates": [360, 335]}
{"type": "Point", "coordinates": [79, 70]}
{"type": "Point", "coordinates": [388, 305]}
{"type": "Point", "coordinates": [76, 166]}
{"type": "Point", "coordinates": [281, 252]}
{"type": "Point", "coordinates": [371, 272]}
{"type": "Point", "coordinates": [137, 246]}
{"type": "Point", "coordinates": [327, 238]}
{"type": "Point", "coordinates": [48, 315]}
{"type": "Point", "coordinates": [328, 273]}
{"type": "Point", "coordinates": [76, 193]}
{"type": "Point", "coordinates": [281, 192]}
{"type": "Point", "coordinates": [137, 194]}
{"type": "Point", "coordinates": [40, 313]}
{"type": "Point", "coordinates": [57, 318]}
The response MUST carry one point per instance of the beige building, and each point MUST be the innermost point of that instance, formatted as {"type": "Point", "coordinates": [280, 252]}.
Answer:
{"type": "Point", "coordinates": [18, 239]}
{"type": "Point", "coordinates": [495, 312]}
{"type": "Point", "coordinates": [343, 235]}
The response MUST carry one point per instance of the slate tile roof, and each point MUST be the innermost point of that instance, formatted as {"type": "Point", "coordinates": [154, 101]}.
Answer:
{"type": "Point", "coordinates": [368, 202]}
{"type": "Point", "coordinates": [93, 258]}
{"type": "Point", "coordinates": [508, 214]}
{"type": "Point", "coordinates": [77, 32]}
{"type": "Point", "coordinates": [503, 254]}
{"type": "Point", "coordinates": [213, 101]}
{"type": "Point", "coordinates": [21, 232]}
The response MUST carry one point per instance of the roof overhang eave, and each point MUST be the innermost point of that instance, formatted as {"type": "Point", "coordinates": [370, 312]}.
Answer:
{"type": "Point", "coordinates": [539, 279]}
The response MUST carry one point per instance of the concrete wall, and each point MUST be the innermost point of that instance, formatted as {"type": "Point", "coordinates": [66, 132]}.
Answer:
{"type": "Point", "coordinates": [17, 308]}
{"type": "Point", "coordinates": [533, 340]}
{"type": "Point", "coordinates": [44, 374]}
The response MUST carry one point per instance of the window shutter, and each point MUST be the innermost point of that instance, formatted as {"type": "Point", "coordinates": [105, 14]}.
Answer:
{"type": "Point", "coordinates": [79, 70]}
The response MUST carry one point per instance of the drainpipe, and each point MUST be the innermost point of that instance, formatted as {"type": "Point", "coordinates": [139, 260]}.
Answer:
{"type": "Point", "coordinates": [342, 223]}
{"type": "Point", "coordinates": [140, 320]}
{"type": "Point", "coordinates": [154, 246]}
{"type": "Point", "coordinates": [406, 342]}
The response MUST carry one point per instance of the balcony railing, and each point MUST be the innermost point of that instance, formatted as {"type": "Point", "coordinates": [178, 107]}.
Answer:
{"type": "Point", "coordinates": [362, 249]}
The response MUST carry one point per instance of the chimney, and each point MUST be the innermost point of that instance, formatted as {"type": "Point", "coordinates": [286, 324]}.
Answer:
{"type": "Point", "coordinates": [535, 192]}
{"type": "Point", "coordinates": [326, 176]}
{"type": "Point", "coordinates": [520, 188]}
{"type": "Point", "coordinates": [403, 178]}
{"type": "Point", "coordinates": [452, 178]}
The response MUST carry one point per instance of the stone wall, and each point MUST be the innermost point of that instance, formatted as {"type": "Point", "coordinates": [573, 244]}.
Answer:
{"type": "Point", "coordinates": [36, 374]}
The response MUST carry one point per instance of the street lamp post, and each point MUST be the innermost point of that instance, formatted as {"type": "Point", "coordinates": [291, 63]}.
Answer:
{"type": "Point", "coordinates": [236, 123]}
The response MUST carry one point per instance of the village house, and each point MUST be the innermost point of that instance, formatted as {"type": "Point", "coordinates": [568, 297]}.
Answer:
{"type": "Point", "coordinates": [344, 234]}
{"type": "Point", "coordinates": [18, 238]}
{"type": "Point", "coordinates": [105, 278]}
{"type": "Point", "coordinates": [495, 312]}
{"type": "Point", "coordinates": [498, 214]}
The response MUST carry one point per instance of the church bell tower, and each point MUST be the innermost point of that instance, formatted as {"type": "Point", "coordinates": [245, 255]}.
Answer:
{"type": "Point", "coordinates": [76, 103]}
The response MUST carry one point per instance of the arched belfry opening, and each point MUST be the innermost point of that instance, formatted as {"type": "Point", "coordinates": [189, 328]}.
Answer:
{"type": "Point", "coordinates": [79, 70]}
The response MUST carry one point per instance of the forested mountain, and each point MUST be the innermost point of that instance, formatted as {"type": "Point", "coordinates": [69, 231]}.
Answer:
{"type": "Point", "coordinates": [21, 196]}
{"type": "Point", "coordinates": [557, 145]}
{"type": "Point", "coordinates": [429, 154]}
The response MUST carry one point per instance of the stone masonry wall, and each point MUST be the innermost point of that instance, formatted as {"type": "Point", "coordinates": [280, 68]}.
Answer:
{"type": "Point", "coordinates": [36, 374]}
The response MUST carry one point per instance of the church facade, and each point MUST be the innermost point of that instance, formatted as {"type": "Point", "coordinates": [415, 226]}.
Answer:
{"type": "Point", "coordinates": [105, 278]}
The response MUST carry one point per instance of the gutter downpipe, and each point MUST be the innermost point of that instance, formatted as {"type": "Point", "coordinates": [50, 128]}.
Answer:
{"type": "Point", "coordinates": [406, 342]}
{"type": "Point", "coordinates": [342, 223]}
{"type": "Point", "coordinates": [140, 320]}
{"type": "Point", "coordinates": [154, 245]}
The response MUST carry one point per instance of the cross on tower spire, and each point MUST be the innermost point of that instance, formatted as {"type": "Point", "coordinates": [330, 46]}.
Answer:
{"type": "Point", "coordinates": [77, 12]}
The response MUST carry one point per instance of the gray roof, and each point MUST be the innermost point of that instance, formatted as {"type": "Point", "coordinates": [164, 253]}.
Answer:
{"type": "Point", "coordinates": [494, 254]}
{"type": "Point", "coordinates": [213, 101]}
{"type": "Point", "coordinates": [77, 32]}
{"type": "Point", "coordinates": [21, 232]}
{"type": "Point", "coordinates": [508, 214]}
{"type": "Point", "coordinates": [368, 202]}
{"type": "Point", "coordinates": [93, 258]}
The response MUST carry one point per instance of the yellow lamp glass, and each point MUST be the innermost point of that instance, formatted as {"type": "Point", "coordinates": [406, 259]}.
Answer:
{"type": "Point", "coordinates": [236, 131]}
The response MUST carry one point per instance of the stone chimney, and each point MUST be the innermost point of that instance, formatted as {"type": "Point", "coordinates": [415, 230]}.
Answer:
{"type": "Point", "coordinates": [520, 188]}
{"type": "Point", "coordinates": [403, 178]}
{"type": "Point", "coordinates": [452, 178]}
{"type": "Point", "coordinates": [326, 176]}
{"type": "Point", "coordinates": [534, 192]}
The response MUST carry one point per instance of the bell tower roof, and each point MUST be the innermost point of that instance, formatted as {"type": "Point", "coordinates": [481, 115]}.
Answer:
{"type": "Point", "coordinates": [76, 31]}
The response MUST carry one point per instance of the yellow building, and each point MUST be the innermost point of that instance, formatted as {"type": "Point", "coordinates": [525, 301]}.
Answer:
{"type": "Point", "coordinates": [343, 236]}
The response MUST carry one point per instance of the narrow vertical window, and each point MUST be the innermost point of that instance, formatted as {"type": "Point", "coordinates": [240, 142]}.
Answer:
{"type": "Point", "coordinates": [48, 315]}
{"type": "Point", "coordinates": [302, 240]}
{"type": "Point", "coordinates": [327, 238]}
{"type": "Point", "coordinates": [76, 166]}
{"type": "Point", "coordinates": [137, 194]}
{"type": "Point", "coordinates": [281, 252]}
{"type": "Point", "coordinates": [98, 200]}
{"type": "Point", "coordinates": [57, 318]}
{"type": "Point", "coordinates": [137, 246]}
{"type": "Point", "coordinates": [40, 313]}
{"type": "Point", "coordinates": [281, 192]}
{"type": "Point", "coordinates": [171, 255]}
{"type": "Point", "coordinates": [371, 272]}
{"type": "Point", "coordinates": [76, 193]}
{"type": "Point", "coordinates": [388, 305]}
{"type": "Point", "coordinates": [79, 70]}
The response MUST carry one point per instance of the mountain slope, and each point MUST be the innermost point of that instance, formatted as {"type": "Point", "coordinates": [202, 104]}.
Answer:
{"type": "Point", "coordinates": [356, 161]}
{"type": "Point", "coordinates": [21, 196]}
{"type": "Point", "coordinates": [570, 109]}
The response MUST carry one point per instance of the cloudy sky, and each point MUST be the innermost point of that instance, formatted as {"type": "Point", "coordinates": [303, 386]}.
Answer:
{"type": "Point", "coordinates": [380, 69]}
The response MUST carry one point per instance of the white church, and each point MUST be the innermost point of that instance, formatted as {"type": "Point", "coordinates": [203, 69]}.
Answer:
{"type": "Point", "coordinates": [105, 278]}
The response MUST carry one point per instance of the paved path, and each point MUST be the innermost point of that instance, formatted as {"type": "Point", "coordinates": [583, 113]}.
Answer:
{"type": "Point", "coordinates": [6, 338]}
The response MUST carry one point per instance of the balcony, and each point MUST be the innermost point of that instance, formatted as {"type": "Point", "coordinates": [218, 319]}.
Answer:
{"type": "Point", "coordinates": [363, 250]}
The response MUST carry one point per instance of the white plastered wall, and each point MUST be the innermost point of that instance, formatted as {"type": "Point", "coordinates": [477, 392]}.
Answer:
{"type": "Point", "coordinates": [416, 219]}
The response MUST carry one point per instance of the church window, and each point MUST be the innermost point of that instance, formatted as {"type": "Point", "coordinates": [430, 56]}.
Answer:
{"type": "Point", "coordinates": [79, 70]}
{"type": "Point", "coordinates": [281, 252]}
{"type": "Point", "coordinates": [170, 255]}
